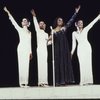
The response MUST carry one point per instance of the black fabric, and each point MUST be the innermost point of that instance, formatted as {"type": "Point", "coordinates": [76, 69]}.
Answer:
{"type": "Point", "coordinates": [50, 65]}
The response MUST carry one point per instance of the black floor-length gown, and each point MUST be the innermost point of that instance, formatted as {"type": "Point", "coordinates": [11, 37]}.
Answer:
{"type": "Point", "coordinates": [62, 57]}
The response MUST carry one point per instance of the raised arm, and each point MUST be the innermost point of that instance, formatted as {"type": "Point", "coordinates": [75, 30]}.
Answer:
{"type": "Point", "coordinates": [69, 23]}
{"type": "Point", "coordinates": [36, 25]}
{"type": "Point", "coordinates": [89, 26]}
{"type": "Point", "coordinates": [73, 43]}
{"type": "Point", "coordinates": [12, 19]}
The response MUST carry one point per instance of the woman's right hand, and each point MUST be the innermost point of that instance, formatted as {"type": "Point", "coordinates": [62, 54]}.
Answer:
{"type": "Point", "coordinates": [33, 12]}
{"type": "Point", "coordinates": [6, 10]}
{"type": "Point", "coordinates": [76, 26]}
{"type": "Point", "coordinates": [77, 9]}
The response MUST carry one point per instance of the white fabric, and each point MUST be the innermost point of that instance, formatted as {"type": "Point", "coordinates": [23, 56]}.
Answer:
{"type": "Point", "coordinates": [41, 53]}
{"type": "Point", "coordinates": [84, 53]}
{"type": "Point", "coordinates": [24, 50]}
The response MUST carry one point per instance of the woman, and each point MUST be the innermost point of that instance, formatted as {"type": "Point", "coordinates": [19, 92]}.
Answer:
{"type": "Point", "coordinates": [42, 37]}
{"type": "Point", "coordinates": [62, 57]}
{"type": "Point", "coordinates": [24, 48]}
{"type": "Point", "coordinates": [84, 50]}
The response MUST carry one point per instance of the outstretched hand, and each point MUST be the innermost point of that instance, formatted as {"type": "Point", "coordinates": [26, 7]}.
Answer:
{"type": "Point", "coordinates": [76, 26]}
{"type": "Point", "coordinates": [31, 56]}
{"type": "Point", "coordinates": [33, 12]}
{"type": "Point", "coordinates": [77, 9]}
{"type": "Point", "coordinates": [6, 10]}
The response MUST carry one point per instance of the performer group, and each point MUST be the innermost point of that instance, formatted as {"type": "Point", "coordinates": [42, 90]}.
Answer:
{"type": "Point", "coordinates": [53, 50]}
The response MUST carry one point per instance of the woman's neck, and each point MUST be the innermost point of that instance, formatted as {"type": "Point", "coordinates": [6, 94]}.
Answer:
{"type": "Point", "coordinates": [80, 29]}
{"type": "Point", "coordinates": [25, 27]}
{"type": "Point", "coordinates": [58, 28]}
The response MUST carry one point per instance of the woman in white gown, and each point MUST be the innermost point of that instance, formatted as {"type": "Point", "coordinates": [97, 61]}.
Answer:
{"type": "Point", "coordinates": [24, 48]}
{"type": "Point", "coordinates": [84, 50]}
{"type": "Point", "coordinates": [42, 37]}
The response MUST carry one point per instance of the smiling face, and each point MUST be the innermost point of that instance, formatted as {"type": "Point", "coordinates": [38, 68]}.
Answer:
{"type": "Point", "coordinates": [80, 23]}
{"type": "Point", "coordinates": [60, 22]}
{"type": "Point", "coordinates": [42, 25]}
{"type": "Point", "coordinates": [25, 22]}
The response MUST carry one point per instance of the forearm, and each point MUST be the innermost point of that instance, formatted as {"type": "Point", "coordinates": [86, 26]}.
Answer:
{"type": "Point", "coordinates": [69, 23]}
{"type": "Point", "coordinates": [93, 22]}
{"type": "Point", "coordinates": [36, 25]}
{"type": "Point", "coordinates": [73, 44]}
{"type": "Point", "coordinates": [73, 49]}
{"type": "Point", "coordinates": [50, 38]}
{"type": "Point", "coordinates": [13, 21]}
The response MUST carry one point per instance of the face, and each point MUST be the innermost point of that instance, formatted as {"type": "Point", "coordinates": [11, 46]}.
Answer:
{"type": "Point", "coordinates": [60, 22]}
{"type": "Point", "coordinates": [80, 24]}
{"type": "Point", "coordinates": [42, 25]}
{"type": "Point", "coordinates": [25, 22]}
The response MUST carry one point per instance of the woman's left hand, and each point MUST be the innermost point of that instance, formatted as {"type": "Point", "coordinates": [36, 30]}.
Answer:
{"type": "Point", "coordinates": [31, 56]}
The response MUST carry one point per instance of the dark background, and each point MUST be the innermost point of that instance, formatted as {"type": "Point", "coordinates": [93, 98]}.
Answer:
{"type": "Point", "coordinates": [46, 10]}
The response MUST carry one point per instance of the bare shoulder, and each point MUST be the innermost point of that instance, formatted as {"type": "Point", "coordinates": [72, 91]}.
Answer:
{"type": "Point", "coordinates": [56, 30]}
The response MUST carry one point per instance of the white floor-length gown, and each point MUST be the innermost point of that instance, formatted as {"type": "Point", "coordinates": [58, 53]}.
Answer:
{"type": "Point", "coordinates": [84, 53]}
{"type": "Point", "coordinates": [42, 37]}
{"type": "Point", "coordinates": [24, 50]}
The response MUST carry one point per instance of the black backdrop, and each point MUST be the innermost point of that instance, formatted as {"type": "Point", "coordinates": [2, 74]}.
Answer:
{"type": "Point", "coordinates": [46, 10]}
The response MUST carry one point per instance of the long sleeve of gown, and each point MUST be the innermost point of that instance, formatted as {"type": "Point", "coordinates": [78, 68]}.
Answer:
{"type": "Point", "coordinates": [73, 43]}
{"type": "Point", "coordinates": [14, 22]}
{"type": "Point", "coordinates": [69, 23]}
{"type": "Point", "coordinates": [31, 47]}
{"type": "Point", "coordinates": [36, 25]}
{"type": "Point", "coordinates": [88, 27]}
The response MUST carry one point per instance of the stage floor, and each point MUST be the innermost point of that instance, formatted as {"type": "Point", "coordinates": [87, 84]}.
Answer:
{"type": "Point", "coordinates": [68, 92]}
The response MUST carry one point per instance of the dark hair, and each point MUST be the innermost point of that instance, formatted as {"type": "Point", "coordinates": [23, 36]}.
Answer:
{"type": "Point", "coordinates": [26, 19]}
{"type": "Point", "coordinates": [55, 22]}
{"type": "Point", "coordinates": [78, 20]}
{"type": "Point", "coordinates": [42, 21]}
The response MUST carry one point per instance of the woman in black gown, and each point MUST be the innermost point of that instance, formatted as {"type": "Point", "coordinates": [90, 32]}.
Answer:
{"type": "Point", "coordinates": [62, 57]}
